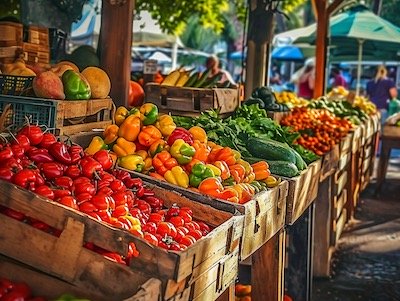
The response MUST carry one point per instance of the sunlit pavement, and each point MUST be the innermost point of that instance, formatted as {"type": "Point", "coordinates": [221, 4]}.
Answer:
{"type": "Point", "coordinates": [366, 265]}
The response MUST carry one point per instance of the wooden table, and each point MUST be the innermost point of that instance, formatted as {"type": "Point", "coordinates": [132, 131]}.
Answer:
{"type": "Point", "coordinates": [390, 139]}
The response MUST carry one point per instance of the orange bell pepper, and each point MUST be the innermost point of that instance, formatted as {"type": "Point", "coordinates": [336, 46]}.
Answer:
{"type": "Point", "coordinates": [230, 194]}
{"type": "Point", "coordinates": [130, 128]}
{"type": "Point", "coordinates": [238, 172]}
{"type": "Point", "coordinates": [247, 192]}
{"type": "Point", "coordinates": [202, 151]}
{"type": "Point", "coordinates": [157, 147]}
{"type": "Point", "coordinates": [225, 172]}
{"type": "Point", "coordinates": [148, 135]}
{"type": "Point", "coordinates": [162, 162]}
{"type": "Point", "coordinates": [198, 133]}
{"type": "Point", "coordinates": [110, 133]}
{"type": "Point", "coordinates": [261, 170]}
{"type": "Point", "coordinates": [211, 186]}
{"type": "Point", "coordinates": [157, 176]}
{"type": "Point", "coordinates": [222, 154]}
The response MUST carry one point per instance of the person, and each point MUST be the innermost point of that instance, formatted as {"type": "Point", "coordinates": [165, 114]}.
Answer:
{"type": "Point", "coordinates": [305, 79]}
{"type": "Point", "coordinates": [337, 78]}
{"type": "Point", "coordinates": [381, 89]}
{"type": "Point", "coordinates": [213, 64]}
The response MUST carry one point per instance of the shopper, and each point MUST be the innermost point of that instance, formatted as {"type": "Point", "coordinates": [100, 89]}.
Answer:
{"type": "Point", "coordinates": [213, 64]}
{"type": "Point", "coordinates": [304, 78]}
{"type": "Point", "coordinates": [381, 89]}
{"type": "Point", "coordinates": [337, 78]}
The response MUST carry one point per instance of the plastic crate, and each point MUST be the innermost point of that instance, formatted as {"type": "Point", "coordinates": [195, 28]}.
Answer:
{"type": "Point", "coordinates": [15, 85]}
{"type": "Point", "coordinates": [37, 110]}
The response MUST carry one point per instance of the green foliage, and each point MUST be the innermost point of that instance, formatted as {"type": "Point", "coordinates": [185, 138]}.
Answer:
{"type": "Point", "coordinates": [390, 10]}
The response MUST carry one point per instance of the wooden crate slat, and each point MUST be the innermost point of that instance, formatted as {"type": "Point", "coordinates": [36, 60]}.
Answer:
{"type": "Point", "coordinates": [339, 225]}
{"type": "Point", "coordinates": [303, 190]}
{"type": "Point", "coordinates": [339, 203]}
{"type": "Point", "coordinates": [346, 143]}
{"type": "Point", "coordinates": [340, 184]}
{"type": "Point", "coordinates": [329, 162]}
{"type": "Point", "coordinates": [344, 161]}
{"type": "Point", "coordinates": [85, 127]}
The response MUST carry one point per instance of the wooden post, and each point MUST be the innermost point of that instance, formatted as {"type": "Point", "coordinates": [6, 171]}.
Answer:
{"type": "Point", "coordinates": [267, 270]}
{"type": "Point", "coordinates": [321, 47]}
{"type": "Point", "coordinates": [116, 44]}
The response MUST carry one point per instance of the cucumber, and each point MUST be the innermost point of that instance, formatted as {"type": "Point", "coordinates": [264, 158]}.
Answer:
{"type": "Point", "coordinates": [268, 149]}
{"type": "Point", "coordinates": [283, 168]}
{"type": "Point", "coordinates": [202, 79]}
{"type": "Point", "coordinates": [300, 163]}
{"type": "Point", "coordinates": [192, 79]}
{"type": "Point", "coordinates": [211, 81]}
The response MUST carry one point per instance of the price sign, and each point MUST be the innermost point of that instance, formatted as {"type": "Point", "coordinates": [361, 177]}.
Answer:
{"type": "Point", "coordinates": [150, 67]}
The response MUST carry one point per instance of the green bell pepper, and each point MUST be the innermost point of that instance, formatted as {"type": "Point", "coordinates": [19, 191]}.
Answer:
{"type": "Point", "coordinates": [200, 172]}
{"type": "Point", "coordinates": [148, 113]}
{"type": "Point", "coordinates": [75, 86]}
{"type": "Point", "coordinates": [182, 151]}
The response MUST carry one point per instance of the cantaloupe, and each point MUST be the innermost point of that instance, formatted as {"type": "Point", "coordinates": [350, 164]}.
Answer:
{"type": "Point", "coordinates": [99, 81]}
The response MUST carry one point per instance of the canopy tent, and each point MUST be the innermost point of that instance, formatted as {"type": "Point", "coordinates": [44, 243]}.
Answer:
{"type": "Point", "coordinates": [359, 33]}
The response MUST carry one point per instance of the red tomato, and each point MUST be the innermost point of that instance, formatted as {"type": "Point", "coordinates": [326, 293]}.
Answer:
{"type": "Point", "coordinates": [196, 234]}
{"type": "Point", "coordinates": [177, 221]}
{"type": "Point", "coordinates": [151, 239]}
{"type": "Point", "coordinates": [188, 240]}
{"type": "Point", "coordinates": [70, 201]}
{"type": "Point", "coordinates": [136, 94]}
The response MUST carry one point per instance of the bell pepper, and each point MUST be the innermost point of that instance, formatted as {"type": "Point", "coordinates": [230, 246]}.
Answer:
{"type": "Point", "coordinates": [120, 115]}
{"type": "Point", "coordinates": [188, 167]}
{"type": "Point", "coordinates": [157, 147]}
{"type": "Point", "coordinates": [211, 186]}
{"type": "Point", "coordinates": [245, 191]}
{"type": "Point", "coordinates": [249, 174]}
{"type": "Point", "coordinates": [230, 194]}
{"type": "Point", "coordinates": [95, 145]}
{"type": "Point", "coordinates": [261, 170]}
{"type": "Point", "coordinates": [124, 147]}
{"type": "Point", "coordinates": [134, 112]}
{"type": "Point", "coordinates": [200, 172]}
{"type": "Point", "coordinates": [198, 133]}
{"type": "Point", "coordinates": [146, 158]}
{"type": "Point", "coordinates": [130, 128]}
{"type": "Point", "coordinates": [271, 181]}
{"type": "Point", "coordinates": [224, 168]}
{"type": "Point", "coordinates": [202, 151]}
{"type": "Point", "coordinates": [180, 133]}
{"type": "Point", "coordinates": [177, 176]}
{"type": "Point", "coordinates": [110, 133]}
{"type": "Point", "coordinates": [238, 172]}
{"type": "Point", "coordinates": [148, 113]}
{"type": "Point", "coordinates": [162, 162]}
{"type": "Point", "coordinates": [182, 151]}
{"type": "Point", "coordinates": [131, 162]}
{"type": "Point", "coordinates": [222, 154]}
{"type": "Point", "coordinates": [215, 169]}
{"type": "Point", "coordinates": [157, 176]}
{"type": "Point", "coordinates": [165, 125]}
{"type": "Point", "coordinates": [75, 85]}
{"type": "Point", "coordinates": [148, 135]}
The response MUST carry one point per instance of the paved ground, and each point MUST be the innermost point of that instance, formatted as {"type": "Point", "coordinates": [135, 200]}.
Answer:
{"type": "Point", "coordinates": [366, 265]}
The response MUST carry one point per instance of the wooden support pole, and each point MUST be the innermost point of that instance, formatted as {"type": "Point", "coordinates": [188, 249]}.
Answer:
{"type": "Point", "coordinates": [321, 7]}
{"type": "Point", "coordinates": [116, 45]}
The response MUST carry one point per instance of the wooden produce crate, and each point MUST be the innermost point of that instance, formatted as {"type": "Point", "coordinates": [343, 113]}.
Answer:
{"type": "Point", "coordinates": [74, 116]}
{"type": "Point", "coordinates": [367, 155]}
{"type": "Point", "coordinates": [329, 163]}
{"type": "Point", "coordinates": [51, 288]}
{"type": "Point", "coordinates": [192, 101]}
{"type": "Point", "coordinates": [38, 35]}
{"type": "Point", "coordinates": [11, 34]}
{"type": "Point", "coordinates": [391, 131]}
{"type": "Point", "coordinates": [302, 192]}
{"type": "Point", "coordinates": [264, 215]}
{"type": "Point", "coordinates": [64, 257]}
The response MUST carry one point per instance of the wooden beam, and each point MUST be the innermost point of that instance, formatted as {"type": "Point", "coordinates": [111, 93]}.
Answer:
{"type": "Point", "coordinates": [116, 44]}
{"type": "Point", "coordinates": [321, 46]}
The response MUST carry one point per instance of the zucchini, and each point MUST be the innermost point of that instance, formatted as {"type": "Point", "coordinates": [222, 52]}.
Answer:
{"type": "Point", "coordinates": [202, 78]}
{"type": "Point", "coordinates": [283, 168]}
{"type": "Point", "coordinates": [300, 163]}
{"type": "Point", "coordinates": [268, 149]}
{"type": "Point", "coordinates": [192, 79]}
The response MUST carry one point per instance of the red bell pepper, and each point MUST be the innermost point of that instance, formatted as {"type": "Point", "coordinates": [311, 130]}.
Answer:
{"type": "Point", "coordinates": [180, 133]}
{"type": "Point", "coordinates": [6, 174]}
{"type": "Point", "coordinates": [104, 158]}
{"type": "Point", "coordinates": [90, 167]}
{"type": "Point", "coordinates": [40, 155]}
{"type": "Point", "coordinates": [25, 178]}
{"type": "Point", "coordinates": [59, 151]}
{"type": "Point", "coordinates": [48, 139]}
{"type": "Point", "coordinates": [76, 152]}
{"type": "Point", "coordinates": [51, 170]}
{"type": "Point", "coordinates": [17, 150]}
{"type": "Point", "coordinates": [23, 141]}
{"type": "Point", "coordinates": [33, 132]}
{"type": "Point", "coordinates": [6, 154]}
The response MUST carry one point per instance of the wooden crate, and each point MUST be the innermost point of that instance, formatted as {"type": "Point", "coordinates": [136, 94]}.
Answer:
{"type": "Point", "coordinates": [391, 131]}
{"type": "Point", "coordinates": [330, 162]}
{"type": "Point", "coordinates": [11, 34]}
{"type": "Point", "coordinates": [74, 116]}
{"type": "Point", "coordinates": [277, 116]}
{"type": "Point", "coordinates": [65, 257]}
{"type": "Point", "coordinates": [345, 144]}
{"type": "Point", "coordinates": [339, 216]}
{"type": "Point", "coordinates": [192, 101]}
{"type": "Point", "coordinates": [263, 215]}
{"type": "Point", "coordinates": [303, 190]}
{"type": "Point", "coordinates": [10, 52]}
{"type": "Point", "coordinates": [38, 35]}
{"type": "Point", "coordinates": [51, 288]}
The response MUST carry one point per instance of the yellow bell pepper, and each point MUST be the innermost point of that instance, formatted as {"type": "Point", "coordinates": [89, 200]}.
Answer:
{"type": "Point", "coordinates": [120, 115]}
{"type": "Point", "coordinates": [177, 176]}
{"type": "Point", "coordinates": [134, 112]}
{"type": "Point", "coordinates": [95, 145]}
{"type": "Point", "coordinates": [148, 161]}
{"type": "Point", "coordinates": [131, 162]}
{"type": "Point", "coordinates": [215, 169]}
{"type": "Point", "coordinates": [236, 155]}
{"type": "Point", "coordinates": [148, 113]}
{"type": "Point", "coordinates": [165, 125]}
{"type": "Point", "coordinates": [124, 147]}
{"type": "Point", "coordinates": [198, 133]}
{"type": "Point", "coordinates": [182, 151]}
{"type": "Point", "coordinates": [110, 133]}
{"type": "Point", "coordinates": [130, 128]}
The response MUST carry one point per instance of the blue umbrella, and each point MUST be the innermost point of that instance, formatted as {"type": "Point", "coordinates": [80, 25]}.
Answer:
{"type": "Point", "coordinates": [287, 53]}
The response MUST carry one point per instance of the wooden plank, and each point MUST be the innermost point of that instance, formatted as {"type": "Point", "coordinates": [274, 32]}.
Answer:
{"type": "Point", "coordinates": [339, 204]}
{"type": "Point", "coordinates": [73, 129]}
{"type": "Point", "coordinates": [277, 116]}
{"type": "Point", "coordinates": [340, 183]}
{"type": "Point", "coordinates": [339, 226]}
{"type": "Point", "coordinates": [228, 294]}
{"type": "Point", "coordinates": [344, 161]}
{"type": "Point", "coordinates": [346, 144]}
{"type": "Point", "coordinates": [302, 192]}
{"type": "Point", "coordinates": [267, 269]}
{"type": "Point", "coordinates": [330, 162]}
{"type": "Point", "coordinates": [356, 143]}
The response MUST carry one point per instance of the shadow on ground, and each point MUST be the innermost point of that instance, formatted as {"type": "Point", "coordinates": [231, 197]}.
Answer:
{"type": "Point", "coordinates": [366, 265]}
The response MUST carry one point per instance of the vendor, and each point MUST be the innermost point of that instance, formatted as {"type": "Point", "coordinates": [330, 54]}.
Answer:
{"type": "Point", "coordinates": [213, 64]}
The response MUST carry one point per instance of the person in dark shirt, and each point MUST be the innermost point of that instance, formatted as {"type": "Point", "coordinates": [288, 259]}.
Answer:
{"type": "Point", "coordinates": [381, 89]}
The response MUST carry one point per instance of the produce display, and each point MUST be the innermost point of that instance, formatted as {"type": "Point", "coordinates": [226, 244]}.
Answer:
{"type": "Point", "coordinates": [358, 101]}
{"type": "Point", "coordinates": [319, 128]}
{"type": "Point", "coordinates": [148, 142]}
{"type": "Point", "coordinates": [194, 79]}
{"type": "Point", "coordinates": [290, 99]}
{"type": "Point", "coordinates": [265, 98]}
{"type": "Point", "coordinates": [256, 137]}
{"type": "Point", "coordinates": [63, 80]}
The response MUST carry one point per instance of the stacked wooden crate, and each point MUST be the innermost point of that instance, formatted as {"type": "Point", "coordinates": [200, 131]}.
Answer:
{"type": "Point", "coordinates": [11, 37]}
{"type": "Point", "coordinates": [36, 48]}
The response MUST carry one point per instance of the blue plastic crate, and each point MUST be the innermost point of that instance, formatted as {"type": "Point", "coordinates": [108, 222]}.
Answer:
{"type": "Point", "coordinates": [38, 110]}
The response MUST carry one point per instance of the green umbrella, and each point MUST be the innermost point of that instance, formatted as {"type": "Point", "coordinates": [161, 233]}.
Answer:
{"type": "Point", "coordinates": [358, 32]}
